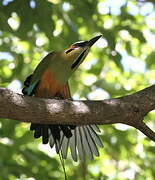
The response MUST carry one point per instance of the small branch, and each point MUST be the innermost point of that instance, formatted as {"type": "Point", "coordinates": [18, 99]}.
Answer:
{"type": "Point", "coordinates": [146, 130]}
{"type": "Point", "coordinates": [129, 110]}
{"type": "Point", "coordinates": [145, 1]}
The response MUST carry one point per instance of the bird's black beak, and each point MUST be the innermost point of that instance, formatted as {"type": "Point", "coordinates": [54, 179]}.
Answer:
{"type": "Point", "coordinates": [93, 40]}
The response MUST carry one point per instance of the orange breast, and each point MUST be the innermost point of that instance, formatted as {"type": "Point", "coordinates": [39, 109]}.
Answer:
{"type": "Point", "coordinates": [50, 87]}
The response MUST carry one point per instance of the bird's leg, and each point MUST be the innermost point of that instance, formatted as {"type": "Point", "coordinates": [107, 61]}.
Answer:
{"type": "Point", "coordinates": [70, 99]}
{"type": "Point", "coordinates": [57, 98]}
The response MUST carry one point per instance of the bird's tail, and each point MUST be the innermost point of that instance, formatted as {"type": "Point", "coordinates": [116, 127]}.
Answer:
{"type": "Point", "coordinates": [83, 140]}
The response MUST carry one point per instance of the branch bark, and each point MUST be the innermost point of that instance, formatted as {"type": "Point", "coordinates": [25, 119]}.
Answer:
{"type": "Point", "coordinates": [130, 110]}
{"type": "Point", "coordinates": [145, 1]}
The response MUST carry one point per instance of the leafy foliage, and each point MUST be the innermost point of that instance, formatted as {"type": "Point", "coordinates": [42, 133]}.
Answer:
{"type": "Point", "coordinates": [121, 63]}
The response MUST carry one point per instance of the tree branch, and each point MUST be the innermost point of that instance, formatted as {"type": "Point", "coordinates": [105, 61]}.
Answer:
{"type": "Point", "coordinates": [130, 110]}
{"type": "Point", "coordinates": [145, 1]}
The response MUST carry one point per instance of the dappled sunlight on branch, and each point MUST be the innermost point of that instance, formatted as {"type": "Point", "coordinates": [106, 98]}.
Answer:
{"type": "Point", "coordinates": [129, 110]}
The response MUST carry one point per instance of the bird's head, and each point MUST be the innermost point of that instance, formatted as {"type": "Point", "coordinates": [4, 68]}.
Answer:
{"type": "Point", "coordinates": [77, 52]}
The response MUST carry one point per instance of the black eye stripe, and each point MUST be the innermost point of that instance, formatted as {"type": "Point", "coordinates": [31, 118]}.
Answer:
{"type": "Point", "coordinates": [69, 50]}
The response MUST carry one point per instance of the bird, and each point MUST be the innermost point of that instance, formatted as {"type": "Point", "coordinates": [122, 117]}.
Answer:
{"type": "Point", "coordinates": [50, 80]}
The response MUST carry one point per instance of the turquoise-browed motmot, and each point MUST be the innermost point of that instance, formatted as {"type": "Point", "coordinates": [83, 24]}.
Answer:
{"type": "Point", "coordinates": [50, 80]}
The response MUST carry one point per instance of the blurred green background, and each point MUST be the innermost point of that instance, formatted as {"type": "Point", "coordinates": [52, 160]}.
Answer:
{"type": "Point", "coordinates": [120, 63]}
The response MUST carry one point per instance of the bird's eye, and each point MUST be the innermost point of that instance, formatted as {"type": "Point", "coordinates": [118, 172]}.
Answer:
{"type": "Point", "coordinates": [69, 50]}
